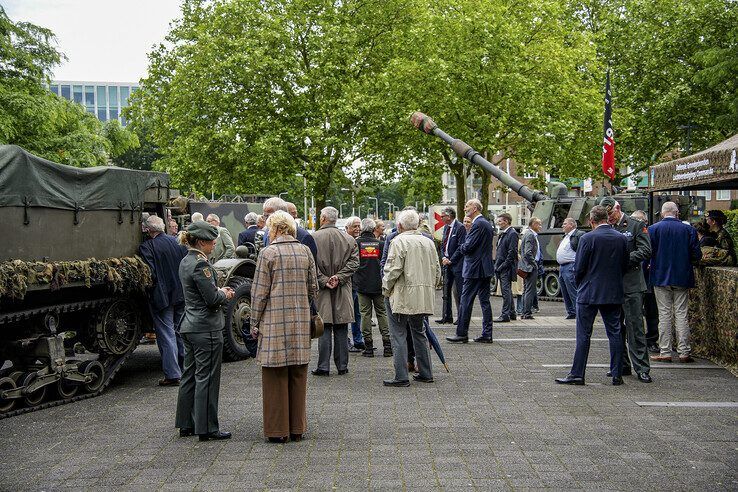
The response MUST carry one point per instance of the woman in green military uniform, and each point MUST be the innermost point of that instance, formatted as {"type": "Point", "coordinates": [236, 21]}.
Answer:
{"type": "Point", "coordinates": [202, 334]}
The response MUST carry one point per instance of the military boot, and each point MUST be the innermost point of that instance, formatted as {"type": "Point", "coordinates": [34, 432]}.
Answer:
{"type": "Point", "coordinates": [368, 348]}
{"type": "Point", "coordinates": [387, 348]}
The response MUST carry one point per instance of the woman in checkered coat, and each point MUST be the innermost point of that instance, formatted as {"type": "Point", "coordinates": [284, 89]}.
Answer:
{"type": "Point", "coordinates": [284, 285]}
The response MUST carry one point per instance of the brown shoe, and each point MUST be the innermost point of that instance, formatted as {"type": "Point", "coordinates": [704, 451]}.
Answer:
{"type": "Point", "coordinates": [169, 382]}
{"type": "Point", "coordinates": [661, 358]}
{"type": "Point", "coordinates": [685, 359]}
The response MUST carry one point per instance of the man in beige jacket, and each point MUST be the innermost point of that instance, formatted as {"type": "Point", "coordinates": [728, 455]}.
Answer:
{"type": "Point", "coordinates": [410, 278]}
{"type": "Point", "coordinates": [337, 260]}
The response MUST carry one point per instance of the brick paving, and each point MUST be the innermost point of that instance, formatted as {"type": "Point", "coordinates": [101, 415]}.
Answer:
{"type": "Point", "coordinates": [497, 421]}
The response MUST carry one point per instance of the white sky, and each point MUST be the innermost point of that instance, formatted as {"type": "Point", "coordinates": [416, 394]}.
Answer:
{"type": "Point", "coordinates": [104, 40]}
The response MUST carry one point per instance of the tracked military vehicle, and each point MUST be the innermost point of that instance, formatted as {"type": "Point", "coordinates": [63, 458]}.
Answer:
{"type": "Point", "coordinates": [555, 206]}
{"type": "Point", "coordinates": [72, 288]}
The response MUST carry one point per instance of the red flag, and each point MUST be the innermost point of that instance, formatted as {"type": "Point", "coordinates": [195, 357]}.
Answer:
{"type": "Point", "coordinates": [608, 144]}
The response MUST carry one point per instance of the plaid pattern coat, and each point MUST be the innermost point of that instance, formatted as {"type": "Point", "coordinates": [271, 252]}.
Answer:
{"type": "Point", "coordinates": [284, 285]}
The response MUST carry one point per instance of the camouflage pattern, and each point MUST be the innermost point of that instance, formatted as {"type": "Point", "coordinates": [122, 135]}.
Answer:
{"type": "Point", "coordinates": [713, 305]}
{"type": "Point", "coordinates": [128, 274]}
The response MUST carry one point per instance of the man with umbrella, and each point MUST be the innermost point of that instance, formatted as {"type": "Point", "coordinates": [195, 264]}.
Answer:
{"type": "Point", "coordinates": [410, 276]}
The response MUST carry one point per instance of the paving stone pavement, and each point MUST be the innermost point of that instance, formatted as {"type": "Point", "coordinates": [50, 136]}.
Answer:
{"type": "Point", "coordinates": [497, 421]}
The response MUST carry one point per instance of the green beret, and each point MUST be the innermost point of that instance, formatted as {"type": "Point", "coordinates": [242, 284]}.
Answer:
{"type": "Point", "coordinates": [202, 230]}
{"type": "Point", "coordinates": [608, 202]}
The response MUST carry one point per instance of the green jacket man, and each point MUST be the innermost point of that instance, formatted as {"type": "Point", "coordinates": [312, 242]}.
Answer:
{"type": "Point", "coordinates": [634, 285]}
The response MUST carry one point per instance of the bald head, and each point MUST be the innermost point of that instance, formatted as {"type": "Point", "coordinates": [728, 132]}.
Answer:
{"type": "Point", "coordinates": [669, 209]}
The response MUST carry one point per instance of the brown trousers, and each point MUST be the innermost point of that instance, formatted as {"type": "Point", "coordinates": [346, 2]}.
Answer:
{"type": "Point", "coordinates": [284, 391]}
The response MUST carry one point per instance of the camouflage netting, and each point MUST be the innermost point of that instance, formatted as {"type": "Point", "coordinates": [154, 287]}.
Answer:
{"type": "Point", "coordinates": [713, 305]}
{"type": "Point", "coordinates": [120, 274]}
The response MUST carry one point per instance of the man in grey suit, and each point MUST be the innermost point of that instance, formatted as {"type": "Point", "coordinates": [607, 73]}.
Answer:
{"type": "Point", "coordinates": [530, 254]}
{"type": "Point", "coordinates": [224, 247]}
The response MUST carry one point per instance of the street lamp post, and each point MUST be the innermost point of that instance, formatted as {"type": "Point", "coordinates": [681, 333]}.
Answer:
{"type": "Point", "coordinates": [360, 206]}
{"type": "Point", "coordinates": [389, 210]}
{"type": "Point", "coordinates": [353, 203]}
{"type": "Point", "coordinates": [376, 206]}
{"type": "Point", "coordinates": [304, 196]}
{"type": "Point", "coordinates": [340, 209]}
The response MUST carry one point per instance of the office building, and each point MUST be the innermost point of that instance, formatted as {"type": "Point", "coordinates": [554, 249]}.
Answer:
{"type": "Point", "coordinates": [105, 100]}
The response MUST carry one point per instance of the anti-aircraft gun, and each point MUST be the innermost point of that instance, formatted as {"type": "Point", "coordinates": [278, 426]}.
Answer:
{"type": "Point", "coordinates": [551, 208]}
{"type": "Point", "coordinates": [72, 288]}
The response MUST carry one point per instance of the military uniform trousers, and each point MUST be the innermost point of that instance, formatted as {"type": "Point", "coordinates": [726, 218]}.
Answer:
{"type": "Point", "coordinates": [334, 339]}
{"type": "Point", "coordinates": [197, 405]}
{"type": "Point", "coordinates": [633, 332]}
{"type": "Point", "coordinates": [585, 320]}
{"type": "Point", "coordinates": [366, 303]}
{"type": "Point", "coordinates": [284, 392]}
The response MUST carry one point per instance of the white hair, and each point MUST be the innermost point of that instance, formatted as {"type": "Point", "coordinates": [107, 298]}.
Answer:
{"type": "Point", "coordinates": [155, 223]}
{"type": "Point", "coordinates": [213, 217]}
{"type": "Point", "coordinates": [368, 225]}
{"type": "Point", "coordinates": [669, 209]}
{"type": "Point", "coordinates": [476, 203]}
{"type": "Point", "coordinates": [408, 220]}
{"type": "Point", "coordinates": [275, 203]}
{"type": "Point", "coordinates": [330, 214]}
{"type": "Point", "coordinates": [352, 219]}
{"type": "Point", "coordinates": [250, 218]}
{"type": "Point", "coordinates": [197, 216]}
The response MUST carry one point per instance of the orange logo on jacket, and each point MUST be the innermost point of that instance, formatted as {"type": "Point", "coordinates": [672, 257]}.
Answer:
{"type": "Point", "coordinates": [369, 252]}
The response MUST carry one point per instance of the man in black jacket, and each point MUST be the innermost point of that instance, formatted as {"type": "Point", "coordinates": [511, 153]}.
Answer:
{"type": "Point", "coordinates": [506, 265]}
{"type": "Point", "coordinates": [368, 283]}
{"type": "Point", "coordinates": [249, 235]}
{"type": "Point", "coordinates": [454, 235]}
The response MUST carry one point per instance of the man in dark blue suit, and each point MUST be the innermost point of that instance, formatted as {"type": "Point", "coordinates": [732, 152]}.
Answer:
{"type": "Point", "coordinates": [602, 260]}
{"type": "Point", "coordinates": [249, 235]}
{"type": "Point", "coordinates": [477, 271]}
{"type": "Point", "coordinates": [454, 235]}
{"type": "Point", "coordinates": [506, 265]}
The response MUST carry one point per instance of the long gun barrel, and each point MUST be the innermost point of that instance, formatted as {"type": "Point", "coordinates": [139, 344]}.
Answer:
{"type": "Point", "coordinates": [462, 149]}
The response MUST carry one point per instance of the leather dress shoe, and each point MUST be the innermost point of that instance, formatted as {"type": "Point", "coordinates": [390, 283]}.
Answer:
{"type": "Point", "coordinates": [341, 372]}
{"type": "Point", "coordinates": [654, 349]}
{"type": "Point", "coordinates": [571, 316]}
{"type": "Point", "coordinates": [458, 339]}
{"type": "Point", "coordinates": [278, 440]}
{"type": "Point", "coordinates": [320, 372]}
{"type": "Point", "coordinates": [295, 437]}
{"type": "Point", "coordinates": [624, 372]}
{"type": "Point", "coordinates": [186, 432]}
{"type": "Point", "coordinates": [215, 436]}
{"type": "Point", "coordinates": [443, 321]}
{"type": "Point", "coordinates": [501, 320]}
{"type": "Point", "coordinates": [685, 359]}
{"type": "Point", "coordinates": [661, 358]}
{"type": "Point", "coordinates": [644, 377]}
{"type": "Point", "coordinates": [617, 381]}
{"type": "Point", "coordinates": [421, 379]}
{"type": "Point", "coordinates": [569, 379]}
{"type": "Point", "coordinates": [527, 316]}
{"type": "Point", "coordinates": [169, 382]}
{"type": "Point", "coordinates": [483, 340]}
{"type": "Point", "coordinates": [395, 383]}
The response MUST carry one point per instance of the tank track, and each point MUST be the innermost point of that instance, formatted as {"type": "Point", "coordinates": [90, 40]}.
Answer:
{"type": "Point", "coordinates": [112, 364]}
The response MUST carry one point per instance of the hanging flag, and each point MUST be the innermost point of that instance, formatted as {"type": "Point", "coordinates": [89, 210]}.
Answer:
{"type": "Point", "coordinates": [608, 144]}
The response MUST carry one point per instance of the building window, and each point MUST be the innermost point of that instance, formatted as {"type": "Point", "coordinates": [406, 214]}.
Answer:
{"type": "Point", "coordinates": [722, 195]}
{"type": "Point", "coordinates": [90, 98]}
{"type": "Point", "coordinates": [65, 92]}
{"type": "Point", "coordinates": [124, 93]}
{"type": "Point", "coordinates": [451, 180]}
{"type": "Point", "coordinates": [77, 93]}
{"type": "Point", "coordinates": [113, 101]}
{"type": "Point", "coordinates": [707, 194]}
{"type": "Point", "coordinates": [55, 89]}
{"type": "Point", "coordinates": [530, 175]}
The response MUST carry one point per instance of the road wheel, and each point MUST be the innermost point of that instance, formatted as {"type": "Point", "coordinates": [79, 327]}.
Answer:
{"type": "Point", "coordinates": [551, 284]}
{"type": "Point", "coordinates": [97, 371]}
{"type": "Point", "coordinates": [237, 320]}
{"type": "Point", "coordinates": [117, 327]}
{"type": "Point", "coordinates": [6, 404]}
{"type": "Point", "coordinates": [66, 389]}
{"type": "Point", "coordinates": [539, 286]}
{"type": "Point", "coordinates": [33, 399]}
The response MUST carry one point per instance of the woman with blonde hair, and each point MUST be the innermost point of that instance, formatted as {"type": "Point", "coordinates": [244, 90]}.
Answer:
{"type": "Point", "coordinates": [285, 285]}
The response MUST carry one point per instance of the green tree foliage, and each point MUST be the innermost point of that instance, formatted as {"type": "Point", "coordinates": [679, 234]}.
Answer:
{"type": "Point", "coordinates": [121, 139]}
{"type": "Point", "coordinates": [246, 93]}
{"type": "Point", "coordinates": [673, 64]}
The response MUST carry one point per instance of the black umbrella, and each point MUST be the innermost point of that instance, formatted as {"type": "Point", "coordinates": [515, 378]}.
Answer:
{"type": "Point", "coordinates": [436, 346]}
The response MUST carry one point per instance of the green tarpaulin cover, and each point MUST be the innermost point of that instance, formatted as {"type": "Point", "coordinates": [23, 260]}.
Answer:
{"type": "Point", "coordinates": [29, 180]}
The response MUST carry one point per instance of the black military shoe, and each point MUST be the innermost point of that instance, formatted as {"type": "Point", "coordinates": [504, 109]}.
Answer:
{"type": "Point", "coordinates": [186, 432]}
{"type": "Point", "coordinates": [569, 379]}
{"type": "Point", "coordinates": [421, 379]}
{"type": "Point", "coordinates": [458, 339]}
{"type": "Point", "coordinates": [617, 381]}
{"type": "Point", "coordinates": [368, 352]}
{"type": "Point", "coordinates": [319, 372]}
{"type": "Point", "coordinates": [387, 351]}
{"type": "Point", "coordinates": [483, 339]}
{"type": "Point", "coordinates": [215, 436]}
{"type": "Point", "coordinates": [501, 320]}
{"type": "Point", "coordinates": [395, 383]}
{"type": "Point", "coordinates": [645, 378]}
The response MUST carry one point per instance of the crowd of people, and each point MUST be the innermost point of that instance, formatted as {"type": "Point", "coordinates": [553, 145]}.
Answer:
{"type": "Point", "coordinates": [622, 269]}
